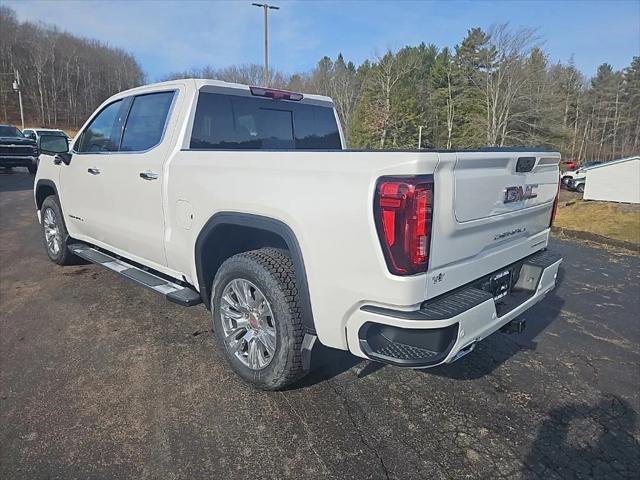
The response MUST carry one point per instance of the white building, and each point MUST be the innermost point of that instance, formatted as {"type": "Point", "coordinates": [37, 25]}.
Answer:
{"type": "Point", "coordinates": [617, 181]}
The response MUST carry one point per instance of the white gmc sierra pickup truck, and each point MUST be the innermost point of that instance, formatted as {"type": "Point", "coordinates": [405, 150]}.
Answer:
{"type": "Point", "coordinates": [243, 198]}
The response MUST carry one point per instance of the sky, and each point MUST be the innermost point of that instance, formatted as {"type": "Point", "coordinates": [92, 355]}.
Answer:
{"type": "Point", "coordinates": [167, 36]}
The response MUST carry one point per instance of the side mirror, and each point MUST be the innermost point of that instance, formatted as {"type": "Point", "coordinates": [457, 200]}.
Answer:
{"type": "Point", "coordinates": [56, 145]}
{"type": "Point", "coordinates": [30, 135]}
{"type": "Point", "coordinates": [52, 144]}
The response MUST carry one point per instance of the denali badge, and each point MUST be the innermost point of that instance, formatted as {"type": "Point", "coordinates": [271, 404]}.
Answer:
{"type": "Point", "coordinates": [517, 194]}
{"type": "Point", "coordinates": [509, 233]}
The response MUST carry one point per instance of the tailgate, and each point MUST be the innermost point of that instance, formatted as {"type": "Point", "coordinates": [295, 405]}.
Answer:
{"type": "Point", "coordinates": [490, 209]}
{"type": "Point", "coordinates": [487, 186]}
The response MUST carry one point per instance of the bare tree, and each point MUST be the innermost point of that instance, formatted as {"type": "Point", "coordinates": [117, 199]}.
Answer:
{"type": "Point", "coordinates": [505, 77]}
{"type": "Point", "coordinates": [64, 78]}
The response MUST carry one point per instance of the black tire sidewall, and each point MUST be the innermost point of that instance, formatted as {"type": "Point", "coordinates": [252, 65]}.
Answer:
{"type": "Point", "coordinates": [242, 267]}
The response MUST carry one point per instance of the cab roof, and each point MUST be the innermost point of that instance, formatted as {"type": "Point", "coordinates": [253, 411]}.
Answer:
{"type": "Point", "coordinates": [205, 82]}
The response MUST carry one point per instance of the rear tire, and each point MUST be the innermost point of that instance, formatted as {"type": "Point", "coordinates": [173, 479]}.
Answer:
{"type": "Point", "coordinates": [266, 312]}
{"type": "Point", "coordinates": [54, 232]}
{"type": "Point", "coordinates": [580, 188]}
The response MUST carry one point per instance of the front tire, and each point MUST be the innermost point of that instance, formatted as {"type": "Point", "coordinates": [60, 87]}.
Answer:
{"type": "Point", "coordinates": [580, 188]}
{"type": "Point", "coordinates": [54, 232]}
{"type": "Point", "coordinates": [256, 318]}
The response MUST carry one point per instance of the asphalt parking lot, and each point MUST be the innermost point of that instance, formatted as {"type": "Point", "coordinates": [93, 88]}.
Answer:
{"type": "Point", "coordinates": [101, 379]}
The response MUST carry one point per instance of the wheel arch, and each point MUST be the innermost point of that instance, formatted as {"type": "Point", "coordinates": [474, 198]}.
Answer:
{"type": "Point", "coordinates": [44, 188]}
{"type": "Point", "coordinates": [228, 233]}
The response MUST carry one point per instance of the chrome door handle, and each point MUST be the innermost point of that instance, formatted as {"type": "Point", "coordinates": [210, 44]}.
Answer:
{"type": "Point", "coordinates": [93, 171]}
{"type": "Point", "coordinates": [148, 175]}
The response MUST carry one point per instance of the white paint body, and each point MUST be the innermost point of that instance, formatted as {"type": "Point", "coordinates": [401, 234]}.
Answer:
{"type": "Point", "coordinates": [617, 181]}
{"type": "Point", "coordinates": [326, 199]}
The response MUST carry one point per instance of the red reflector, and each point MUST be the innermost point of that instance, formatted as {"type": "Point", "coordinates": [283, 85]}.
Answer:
{"type": "Point", "coordinates": [403, 211]}
{"type": "Point", "coordinates": [388, 222]}
{"type": "Point", "coordinates": [275, 94]}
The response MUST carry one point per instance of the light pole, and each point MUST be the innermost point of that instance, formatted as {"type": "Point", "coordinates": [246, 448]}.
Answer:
{"type": "Point", "coordinates": [266, 7]}
{"type": "Point", "coordinates": [16, 88]}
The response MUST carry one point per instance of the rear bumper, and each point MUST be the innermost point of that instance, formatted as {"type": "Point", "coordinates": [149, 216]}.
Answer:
{"type": "Point", "coordinates": [448, 327]}
{"type": "Point", "coordinates": [18, 161]}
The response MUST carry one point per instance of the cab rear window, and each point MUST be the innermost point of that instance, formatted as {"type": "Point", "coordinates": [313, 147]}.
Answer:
{"type": "Point", "coordinates": [229, 122]}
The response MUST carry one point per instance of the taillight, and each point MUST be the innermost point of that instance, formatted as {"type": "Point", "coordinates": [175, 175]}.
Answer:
{"type": "Point", "coordinates": [555, 205]}
{"type": "Point", "coordinates": [403, 211]}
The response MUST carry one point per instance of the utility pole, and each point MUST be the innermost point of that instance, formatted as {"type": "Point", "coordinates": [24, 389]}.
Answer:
{"type": "Point", "coordinates": [16, 88]}
{"type": "Point", "coordinates": [266, 7]}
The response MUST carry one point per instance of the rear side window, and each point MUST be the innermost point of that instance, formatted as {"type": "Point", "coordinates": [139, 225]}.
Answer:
{"type": "Point", "coordinates": [103, 134]}
{"type": "Point", "coordinates": [146, 121]}
{"type": "Point", "coordinates": [236, 122]}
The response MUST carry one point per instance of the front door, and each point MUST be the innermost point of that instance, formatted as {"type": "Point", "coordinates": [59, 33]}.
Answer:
{"type": "Point", "coordinates": [81, 181]}
{"type": "Point", "coordinates": [125, 213]}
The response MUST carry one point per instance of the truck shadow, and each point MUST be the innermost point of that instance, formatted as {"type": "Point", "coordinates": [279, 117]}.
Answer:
{"type": "Point", "coordinates": [586, 441]}
{"type": "Point", "coordinates": [496, 349]}
{"type": "Point", "coordinates": [327, 363]}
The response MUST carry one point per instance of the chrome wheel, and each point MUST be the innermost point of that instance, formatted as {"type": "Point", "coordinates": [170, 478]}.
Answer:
{"type": "Point", "coordinates": [248, 323]}
{"type": "Point", "coordinates": [51, 231]}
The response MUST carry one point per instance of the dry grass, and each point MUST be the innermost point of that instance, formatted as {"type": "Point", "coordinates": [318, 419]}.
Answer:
{"type": "Point", "coordinates": [619, 221]}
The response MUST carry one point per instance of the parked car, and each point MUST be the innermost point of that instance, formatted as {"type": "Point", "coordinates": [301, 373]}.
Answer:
{"type": "Point", "coordinates": [568, 165]}
{"type": "Point", "coordinates": [579, 172]}
{"type": "Point", "coordinates": [16, 150]}
{"type": "Point", "coordinates": [578, 182]}
{"type": "Point", "coordinates": [243, 198]}
{"type": "Point", "coordinates": [35, 133]}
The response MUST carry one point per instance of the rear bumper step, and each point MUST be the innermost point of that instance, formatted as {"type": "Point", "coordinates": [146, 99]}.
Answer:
{"type": "Point", "coordinates": [448, 327]}
{"type": "Point", "coordinates": [407, 347]}
{"type": "Point", "coordinates": [173, 292]}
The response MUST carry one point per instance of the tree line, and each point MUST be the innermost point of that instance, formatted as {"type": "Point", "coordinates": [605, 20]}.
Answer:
{"type": "Point", "coordinates": [495, 88]}
{"type": "Point", "coordinates": [63, 77]}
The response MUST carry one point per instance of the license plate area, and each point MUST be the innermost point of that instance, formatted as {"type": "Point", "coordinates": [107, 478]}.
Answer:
{"type": "Point", "coordinates": [499, 284]}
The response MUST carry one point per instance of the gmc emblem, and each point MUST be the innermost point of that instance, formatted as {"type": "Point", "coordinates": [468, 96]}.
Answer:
{"type": "Point", "coordinates": [517, 194]}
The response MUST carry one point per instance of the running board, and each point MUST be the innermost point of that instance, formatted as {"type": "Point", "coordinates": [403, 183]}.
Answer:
{"type": "Point", "coordinates": [173, 292]}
